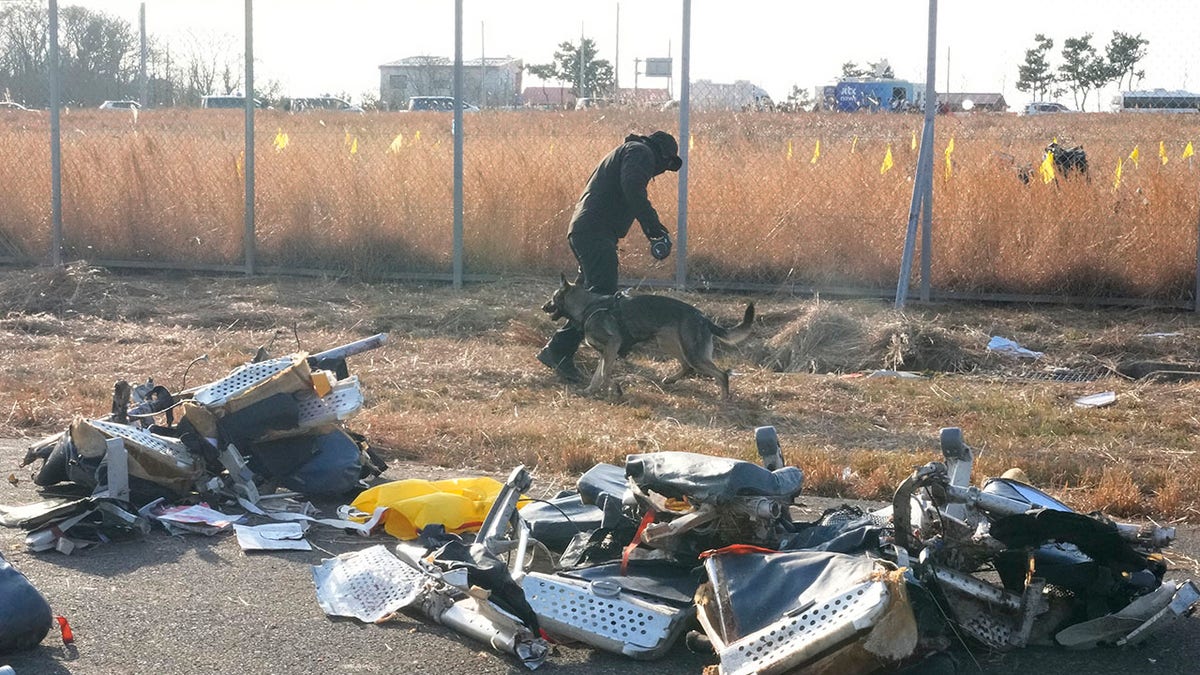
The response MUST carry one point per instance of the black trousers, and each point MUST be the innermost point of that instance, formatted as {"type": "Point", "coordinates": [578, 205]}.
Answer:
{"type": "Point", "coordinates": [597, 259]}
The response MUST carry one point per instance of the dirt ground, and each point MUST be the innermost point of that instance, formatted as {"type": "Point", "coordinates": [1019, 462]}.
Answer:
{"type": "Point", "coordinates": [457, 392]}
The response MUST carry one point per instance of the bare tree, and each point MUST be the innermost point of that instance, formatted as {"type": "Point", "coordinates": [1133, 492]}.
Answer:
{"type": "Point", "coordinates": [24, 53]}
{"type": "Point", "coordinates": [207, 60]}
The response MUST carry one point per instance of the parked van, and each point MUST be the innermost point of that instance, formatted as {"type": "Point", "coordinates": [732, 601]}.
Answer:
{"type": "Point", "coordinates": [315, 103]}
{"type": "Point", "coordinates": [227, 101]}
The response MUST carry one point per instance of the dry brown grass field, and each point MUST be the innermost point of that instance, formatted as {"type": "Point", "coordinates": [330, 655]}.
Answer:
{"type": "Point", "coordinates": [457, 385]}
{"type": "Point", "coordinates": [371, 195]}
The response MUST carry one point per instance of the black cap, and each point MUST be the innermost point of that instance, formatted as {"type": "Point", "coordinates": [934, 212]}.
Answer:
{"type": "Point", "coordinates": [667, 148]}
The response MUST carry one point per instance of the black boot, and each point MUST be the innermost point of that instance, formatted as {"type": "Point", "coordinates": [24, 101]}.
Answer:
{"type": "Point", "coordinates": [563, 366]}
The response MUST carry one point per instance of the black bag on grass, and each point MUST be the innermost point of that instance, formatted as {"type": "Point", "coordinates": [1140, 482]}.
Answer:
{"type": "Point", "coordinates": [24, 614]}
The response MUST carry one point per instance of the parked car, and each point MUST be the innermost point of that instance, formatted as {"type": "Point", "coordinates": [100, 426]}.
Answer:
{"type": "Point", "coordinates": [317, 103]}
{"type": "Point", "coordinates": [12, 106]}
{"type": "Point", "coordinates": [588, 102]}
{"type": "Point", "coordinates": [120, 105]}
{"type": "Point", "coordinates": [227, 101]}
{"type": "Point", "coordinates": [437, 103]}
{"type": "Point", "coordinates": [1045, 107]}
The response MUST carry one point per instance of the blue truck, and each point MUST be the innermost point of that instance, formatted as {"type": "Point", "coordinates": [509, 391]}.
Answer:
{"type": "Point", "coordinates": [874, 95]}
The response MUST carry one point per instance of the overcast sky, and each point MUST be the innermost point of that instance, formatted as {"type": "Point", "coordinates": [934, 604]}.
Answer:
{"type": "Point", "coordinates": [318, 46]}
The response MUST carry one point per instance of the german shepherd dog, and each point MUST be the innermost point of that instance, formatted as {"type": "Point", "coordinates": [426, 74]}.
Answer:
{"type": "Point", "coordinates": [613, 324]}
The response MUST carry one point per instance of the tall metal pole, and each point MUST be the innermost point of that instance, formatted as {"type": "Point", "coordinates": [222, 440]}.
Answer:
{"type": "Point", "coordinates": [56, 224]}
{"type": "Point", "coordinates": [457, 276]}
{"type": "Point", "coordinates": [248, 243]}
{"type": "Point", "coordinates": [483, 69]}
{"type": "Point", "coordinates": [685, 104]}
{"type": "Point", "coordinates": [142, 75]}
{"type": "Point", "coordinates": [927, 232]}
{"type": "Point", "coordinates": [579, 88]}
{"type": "Point", "coordinates": [1196, 292]}
{"type": "Point", "coordinates": [924, 162]}
{"type": "Point", "coordinates": [617, 55]}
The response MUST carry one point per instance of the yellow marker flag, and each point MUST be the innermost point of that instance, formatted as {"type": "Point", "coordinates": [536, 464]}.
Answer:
{"type": "Point", "coordinates": [1188, 151]}
{"type": "Point", "coordinates": [1047, 168]}
{"type": "Point", "coordinates": [281, 140]}
{"type": "Point", "coordinates": [354, 146]}
{"type": "Point", "coordinates": [1162, 151]}
{"type": "Point", "coordinates": [789, 151]}
{"type": "Point", "coordinates": [239, 164]}
{"type": "Point", "coordinates": [691, 142]}
{"type": "Point", "coordinates": [914, 141]}
{"type": "Point", "coordinates": [853, 145]}
{"type": "Point", "coordinates": [949, 151]}
{"type": "Point", "coordinates": [417, 136]}
{"type": "Point", "coordinates": [347, 141]}
{"type": "Point", "coordinates": [1117, 179]}
{"type": "Point", "coordinates": [816, 152]}
{"type": "Point", "coordinates": [1136, 156]}
{"type": "Point", "coordinates": [887, 161]}
{"type": "Point", "coordinates": [397, 143]}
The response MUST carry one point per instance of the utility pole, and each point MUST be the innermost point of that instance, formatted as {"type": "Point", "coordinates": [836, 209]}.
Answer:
{"type": "Point", "coordinates": [617, 55]}
{"type": "Point", "coordinates": [636, 67]}
{"type": "Point", "coordinates": [142, 70]}
{"type": "Point", "coordinates": [579, 55]}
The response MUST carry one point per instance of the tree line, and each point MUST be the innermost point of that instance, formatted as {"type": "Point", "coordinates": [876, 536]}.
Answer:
{"type": "Point", "coordinates": [100, 59]}
{"type": "Point", "coordinates": [1083, 68]}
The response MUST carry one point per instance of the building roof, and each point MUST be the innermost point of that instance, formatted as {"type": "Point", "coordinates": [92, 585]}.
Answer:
{"type": "Point", "coordinates": [543, 95]}
{"type": "Point", "coordinates": [425, 61]}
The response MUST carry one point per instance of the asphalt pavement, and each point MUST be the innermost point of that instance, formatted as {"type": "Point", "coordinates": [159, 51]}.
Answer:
{"type": "Point", "coordinates": [176, 605]}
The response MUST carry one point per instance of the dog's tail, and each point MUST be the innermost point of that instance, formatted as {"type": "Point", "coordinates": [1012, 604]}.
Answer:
{"type": "Point", "coordinates": [732, 336]}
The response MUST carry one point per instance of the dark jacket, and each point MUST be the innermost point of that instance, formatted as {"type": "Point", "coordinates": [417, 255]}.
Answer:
{"type": "Point", "coordinates": [616, 193]}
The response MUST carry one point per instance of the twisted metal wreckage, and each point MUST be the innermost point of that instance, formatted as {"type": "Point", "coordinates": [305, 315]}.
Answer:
{"type": "Point", "coordinates": [1003, 566]}
{"type": "Point", "coordinates": [637, 556]}
{"type": "Point", "coordinates": [271, 423]}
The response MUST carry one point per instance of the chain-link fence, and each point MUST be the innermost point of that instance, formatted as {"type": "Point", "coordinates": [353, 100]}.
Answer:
{"type": "Point", "coordinates": [801, 132]}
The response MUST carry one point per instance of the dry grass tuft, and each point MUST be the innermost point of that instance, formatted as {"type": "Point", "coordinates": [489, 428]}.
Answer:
{"type": "Point", "coordinates": [76, 287]}
{"type": "Point", "coordinates": [917, 345]}
{"type": "Point", "coordinates": [826, 338]}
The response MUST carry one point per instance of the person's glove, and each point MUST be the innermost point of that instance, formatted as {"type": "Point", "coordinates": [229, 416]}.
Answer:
{"type": "Point", "coordinates": [660, 247]}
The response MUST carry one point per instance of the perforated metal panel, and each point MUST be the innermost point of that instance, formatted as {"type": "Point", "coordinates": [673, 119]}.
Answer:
{"type": "Point", "coordinates": [343, 402]}
{"type": "Point", "coordinates": [620, 623]}
{"type": "Point", "coordinates": [241, 380]}
{"type": "Point", "coordinates": [175, 450]}
{"type": "Point", "coordinates": [791, 640]}
{"type": "Point", "coordinates": [368, 585]}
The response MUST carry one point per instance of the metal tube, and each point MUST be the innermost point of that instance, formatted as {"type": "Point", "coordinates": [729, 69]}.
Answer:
{"type": "Point", "coordinates": [248, 244]}
{"type": "Point", "coordinates": [56, 224]}
{"type": "Point", "coordinates": [685, 92]}
{"type": "Point", "coordinates": [924, 161]}
{"type": "Point", "coordinates": [457, 264]}
{"type": "Point", "coordinates": [352, 348]}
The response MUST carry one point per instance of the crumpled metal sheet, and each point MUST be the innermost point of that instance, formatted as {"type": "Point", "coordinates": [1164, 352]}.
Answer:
{"type": "Point", "coordinates": [369, 585]}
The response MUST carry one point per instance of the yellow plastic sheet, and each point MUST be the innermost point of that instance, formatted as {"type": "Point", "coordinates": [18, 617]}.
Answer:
{"type": "Point", "coordinates": [460, 504]}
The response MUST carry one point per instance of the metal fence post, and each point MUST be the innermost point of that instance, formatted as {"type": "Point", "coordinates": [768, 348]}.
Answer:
{"type": "Point", "coordinates": [685, 92]}
{"type": "Point", "coordinates": [56, 224]}
{"type": "Point", "coordinates": [458, 145]}
{"type": "Point", "coordinates": [924, 163]}
{"type": "Point", "coordinates": [248, 243]}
